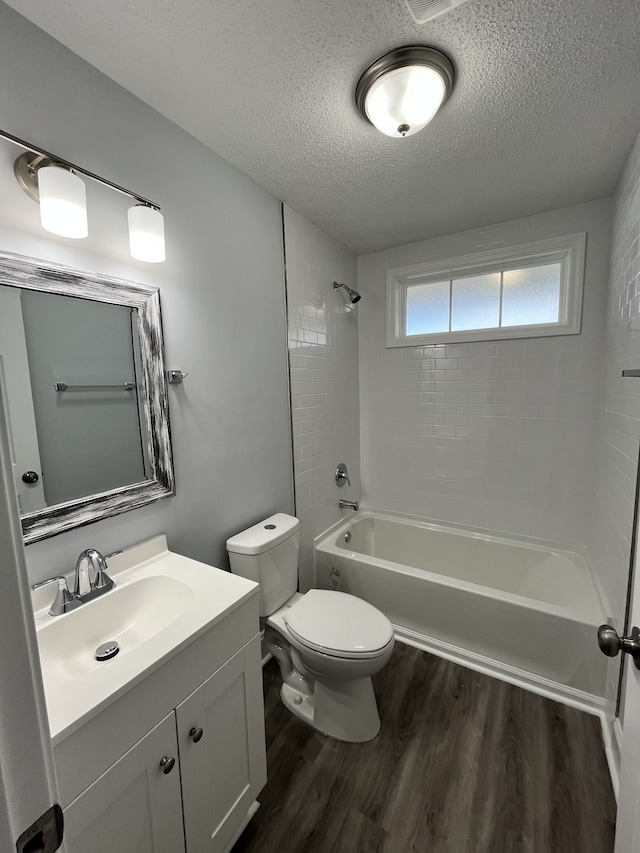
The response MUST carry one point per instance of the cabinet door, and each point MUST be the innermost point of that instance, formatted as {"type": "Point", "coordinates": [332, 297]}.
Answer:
{"type": "Point", "coordinates": [134, 805]}
{"type": "Point", "coordinates": [223, 771]}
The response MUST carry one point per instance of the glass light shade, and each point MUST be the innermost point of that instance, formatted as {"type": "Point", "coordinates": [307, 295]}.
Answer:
{"type": "Point", "coordinates": [63, 202]}
{"type": "Point", "coordinates": [402, 102]}
{"type": "Point", "coordinates": [146, 234]}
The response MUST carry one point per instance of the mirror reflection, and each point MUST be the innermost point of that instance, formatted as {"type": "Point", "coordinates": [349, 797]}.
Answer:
{"type": "Point", "coordinates": [71, 372]}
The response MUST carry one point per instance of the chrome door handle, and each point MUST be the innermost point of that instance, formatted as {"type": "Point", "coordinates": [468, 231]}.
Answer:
{"type": "Point", "coordinates": [611, 643]}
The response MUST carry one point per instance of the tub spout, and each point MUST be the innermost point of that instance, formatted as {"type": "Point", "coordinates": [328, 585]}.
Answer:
{"type": "Point", "coordinates": [348, 505]}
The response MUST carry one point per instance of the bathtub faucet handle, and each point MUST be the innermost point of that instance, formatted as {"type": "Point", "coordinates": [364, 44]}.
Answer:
{"type": "Point", "coordinates": [342, 475]}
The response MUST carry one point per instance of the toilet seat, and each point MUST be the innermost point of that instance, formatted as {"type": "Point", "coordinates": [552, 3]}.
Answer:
{"type": "Point", "coordinates": [339, 625]}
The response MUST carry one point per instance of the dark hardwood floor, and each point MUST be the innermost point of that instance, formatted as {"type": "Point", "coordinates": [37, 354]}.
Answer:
{"type": "Point", "coordinates": [463, 764]}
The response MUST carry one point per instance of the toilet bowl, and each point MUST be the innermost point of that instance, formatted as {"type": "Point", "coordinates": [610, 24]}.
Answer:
{"type": "Point", "coordinates": [335, 694]}
{"type": "Point", "coordinates": [328, 644]}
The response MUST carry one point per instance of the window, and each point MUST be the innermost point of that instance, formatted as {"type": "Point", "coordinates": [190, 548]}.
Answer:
{"type": "Point", "coordinates": [515, 292]}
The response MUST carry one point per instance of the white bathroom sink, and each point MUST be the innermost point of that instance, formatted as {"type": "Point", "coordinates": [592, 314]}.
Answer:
{"type": "Point", "coordinates": [161, 602]}
{"type": "Point", "coordinates": [130, 614]}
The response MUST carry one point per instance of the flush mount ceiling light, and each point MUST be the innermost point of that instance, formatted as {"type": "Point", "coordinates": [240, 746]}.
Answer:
{"type": "Point", "coordinates": [56, 185]}
{"type": "Point", "coordinates": [401, 91]}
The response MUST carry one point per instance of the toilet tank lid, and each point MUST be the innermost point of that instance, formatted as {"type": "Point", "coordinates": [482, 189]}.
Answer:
{"type": "Point", "coordinates": [264, 535]}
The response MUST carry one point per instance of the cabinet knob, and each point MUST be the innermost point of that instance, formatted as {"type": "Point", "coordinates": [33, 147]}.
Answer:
{"type": "Point", "coordinates": [196, 734]}
{"type": "Point", "coordinates": [167, 764]}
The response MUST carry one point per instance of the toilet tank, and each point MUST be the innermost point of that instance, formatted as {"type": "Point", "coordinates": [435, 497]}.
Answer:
{"type": "Point", "coordinates": [268, 554]}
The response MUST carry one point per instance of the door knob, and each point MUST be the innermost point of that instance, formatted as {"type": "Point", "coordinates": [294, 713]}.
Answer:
{"type": "Point", "coordinates": [196, 734]}
{"type": "Point", "coordinates": [611, 643]}
{"type": "Point", "coordinates": [30, 477]}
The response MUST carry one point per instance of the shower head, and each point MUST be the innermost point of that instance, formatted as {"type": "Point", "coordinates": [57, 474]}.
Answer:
{"type": "Point", "coordinates": [354, 296]}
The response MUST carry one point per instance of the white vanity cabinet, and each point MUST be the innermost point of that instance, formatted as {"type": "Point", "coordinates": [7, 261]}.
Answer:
{"type": "Point", "coordinates": [221, 746]}
{"type": "Point", "coordinates": [134, 805]}
{"type": "Point", "coordinates": [195, 775]}
{"type": "Point", "coordinates": [197, 703]}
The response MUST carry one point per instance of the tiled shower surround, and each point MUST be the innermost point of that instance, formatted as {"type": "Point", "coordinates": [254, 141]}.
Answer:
{"type": "Point", "coordinates": [497, 434]}
{"type": "Point", "coordinates": [619, 426]}
{"type": "Point", "coordinates": [323, 353]}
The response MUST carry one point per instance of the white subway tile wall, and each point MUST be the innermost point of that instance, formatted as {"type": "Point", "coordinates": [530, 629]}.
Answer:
{"type": "Point", "coordinates": [619, 430]}
{"type": "Point", "coordinates": [323, 355]}
{"type": "Point", "coordinates": [498, 435]}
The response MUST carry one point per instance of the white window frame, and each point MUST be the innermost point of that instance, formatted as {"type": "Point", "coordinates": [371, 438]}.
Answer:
{"type": "Point", "coordinates": [569, 251]}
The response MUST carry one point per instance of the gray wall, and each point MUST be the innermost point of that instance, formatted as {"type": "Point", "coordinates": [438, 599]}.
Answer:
{"type": "Point", "coordinates": [221, 291]}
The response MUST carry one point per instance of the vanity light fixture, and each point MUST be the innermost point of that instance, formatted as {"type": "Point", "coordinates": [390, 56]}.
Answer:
{"type": "Point", "coordinates": [402, 91]}
{"type": "Point", "coordinates": [56, 184]}
{"type": "Point", "coordinates": [146, 234]}
{"type": "Point", "coordinates": [63, 202]}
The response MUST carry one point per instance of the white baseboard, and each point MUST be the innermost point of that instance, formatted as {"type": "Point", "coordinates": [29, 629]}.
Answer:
{"type": "Point", "coordinates": [614, 755]}
{"type": "Point", "coordinates": [519, 677]}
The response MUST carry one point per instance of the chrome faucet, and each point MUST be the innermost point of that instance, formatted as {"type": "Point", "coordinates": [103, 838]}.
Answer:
{"type": "Point", "coordinates": [84, 588]}
{"type": "Point", "coordinates": [348, 505]}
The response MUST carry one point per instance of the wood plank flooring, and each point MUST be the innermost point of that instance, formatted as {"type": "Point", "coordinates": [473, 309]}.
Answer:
{"type": "Point", "coordinates": [463, 764]}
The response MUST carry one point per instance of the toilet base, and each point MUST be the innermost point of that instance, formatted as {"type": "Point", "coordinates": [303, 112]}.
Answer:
{"type": "Point", "coordinates": [345, 710]}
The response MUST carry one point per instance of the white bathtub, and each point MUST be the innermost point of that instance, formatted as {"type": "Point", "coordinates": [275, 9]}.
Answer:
{"type": "Point", "coordinates": [522, 609]}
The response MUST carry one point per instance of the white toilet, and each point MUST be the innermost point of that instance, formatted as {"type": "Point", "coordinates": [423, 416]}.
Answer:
{"type": "Point", "coordinates": [328, 644]}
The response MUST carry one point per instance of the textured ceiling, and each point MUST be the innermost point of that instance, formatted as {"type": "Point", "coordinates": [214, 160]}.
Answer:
{"type": "Point", "coordinates": [544, 112]}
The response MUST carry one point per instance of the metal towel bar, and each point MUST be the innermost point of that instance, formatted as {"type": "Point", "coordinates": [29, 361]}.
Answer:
{"type": "Point", "coordinates": [123, 386]}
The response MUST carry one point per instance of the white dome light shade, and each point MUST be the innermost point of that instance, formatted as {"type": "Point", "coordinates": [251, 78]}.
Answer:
{"type": "Point", "coordinates": [63, 202]}
{"type": "Point", "coordinates": [402, 102]}
{"type": "Point", "coordinates": [146, 234]}
{"type": "Point", "coordinates": [402, 91]}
